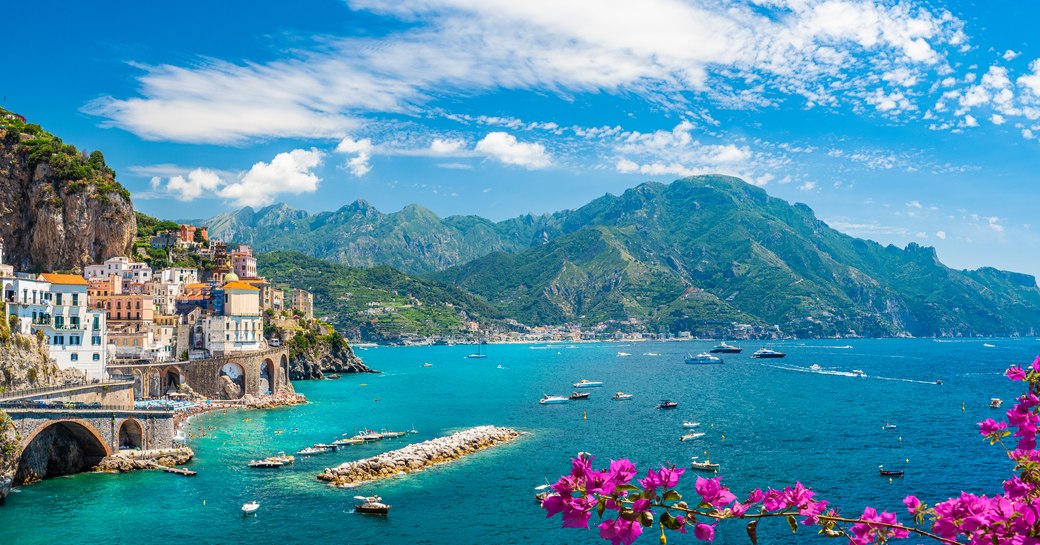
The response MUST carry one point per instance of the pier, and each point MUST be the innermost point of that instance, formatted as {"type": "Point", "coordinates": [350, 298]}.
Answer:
{"type": "Point", "coordinates": [418, 456]}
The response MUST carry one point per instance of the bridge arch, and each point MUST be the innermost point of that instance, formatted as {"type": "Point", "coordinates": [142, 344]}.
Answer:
{"type": "Point", "coordinates": [154, 384]}
{"type": "Point", "coordinates": [138, 384]}
{"type": "Point", "coordinates": [283, 377]}
{"type": "Point", "coordinates": [60, 447]}
{"type": "Point", "coordinates": [232, 380]}
{"type": "Point", "coordinates": [267, 376]}
{"type": "Point", "coordinates": [172, 380]}
{"type": "Point", "coordinates": [131, 434]}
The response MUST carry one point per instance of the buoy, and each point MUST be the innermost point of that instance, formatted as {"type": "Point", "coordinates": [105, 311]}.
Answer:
{"type": "Point", "coordinates": [962, 406]}
{"type": "Point", "coordinates": [890, 479]}
{"type": "Point", "coordinates": [203, 502]}
{"type": "Point", "coordinates": [900, 439]}
{"type": "Point", "coordinates": [723, 437]}
{"type": "Point", "coordinates": [584, 415]}
{"type": "Point", "coordinates": [908, 460]}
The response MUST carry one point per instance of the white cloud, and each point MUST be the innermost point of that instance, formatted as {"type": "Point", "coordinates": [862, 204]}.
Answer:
{"type": "Point", "coordinates": [286, 173]}
{"type": "Point", "coordinates": [1010, 55]}
{"type": "Point", "coordinates": [994, 224]}
{"type": "Point", "coordinates": [505, 147]}
{"type": "Point", "coordinates": [997, 119]}
{"type": "Point", "coordinates": [807, 186]}
{"type": "Point", "coordinates": [914, 204]}
{"type": "Point", "coordinates": [359, 164]}
{"type": "Point", "coordinates": [442, 146]}
{"type": "Point", "coordinates": [197, 183]}
{"type": "Point", "coordinates": [662, 50]}
{"type": "Point", "coordinates": [941, 234]}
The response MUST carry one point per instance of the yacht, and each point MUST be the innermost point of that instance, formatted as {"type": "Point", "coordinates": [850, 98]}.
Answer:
{"type": "Point", "coordinates": [544, 492]}
{"type": "Point", "coordinates": [369, 435]}
{"type": "Point", "coordinates": [703, 358]}
{"type": "Point", "coordinates": [250, 507]}
{"type": "Point", "coordinates": [621, 396]}
{"type": "Point", "coordinates": [694, 435]}
{"type": "Point", "coordinates": [552, 400]}
{"type": "Point", "coordinates": [344, 441]}
{"type": "Point", "coordinates": [767, 353]}
{"type": "Point", "coordinates": [266, 463]}
{"type": "Point", "coordinates": [478, 354]}
{"type": "Point", "coordinates": [724, 348]}
{"type": "Point", "coordinates": [666, 404]}
{"type": "Point", "coordinates": [690, 424]}
{"type": "Point", "coordinates": [706, 465]}
{"type": "Point", "coordinates": [588, 384]}
{"type": "Point", "coordinates": [995, 403]}
{"type": "Point", "coordinates": [371, 505]}
{"type": "Point", "coordinates": [326, 448]}
{"type": "Point", "coordinates": [579, 396]}
{"type": "Point", "coordinates": [283, 458]}
{"type": "Point", "coordinates": [393, 434]}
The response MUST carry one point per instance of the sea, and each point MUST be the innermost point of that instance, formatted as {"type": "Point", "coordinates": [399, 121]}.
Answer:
{"type": "Point", "coordinates": [766, 422]}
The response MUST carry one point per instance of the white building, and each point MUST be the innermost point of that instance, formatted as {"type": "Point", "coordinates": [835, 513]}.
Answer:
{"type": "Point", "coordinates": [164, 296]}
{"type": "Point", "coordinates": [131, 271]}
{"type": "Point", "coordinates": [240, 327]}
{"type": "Point", "coordinates": [178, 275]}
{"type": "Point", "coordinates": [56, 306]}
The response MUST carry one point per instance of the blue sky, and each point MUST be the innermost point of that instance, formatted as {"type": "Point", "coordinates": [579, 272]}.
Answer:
{"type": "Point", "coordinates": [896, 121]}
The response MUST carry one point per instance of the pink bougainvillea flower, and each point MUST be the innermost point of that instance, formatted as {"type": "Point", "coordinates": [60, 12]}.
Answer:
{"type": "Point", "coordinates": [911, 503]}
{"type": "Point", "coordinates": [1015, 373]}
{"type": "Point", "coordinates": [989, 426]}
{"type": "Point", "coordinates": [704, 532]}
{"type": "Point", "coordinates": [620, 531]}
{"type": "Point", "coordinates": [713, 493]}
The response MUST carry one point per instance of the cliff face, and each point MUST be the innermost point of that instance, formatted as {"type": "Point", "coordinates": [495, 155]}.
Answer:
{"type": "Point", "coordinates": [58, 209]}
{"type": "Point", "coordinates": [322, 358]}
{"type": "Point", "coordinates": [24, 364]}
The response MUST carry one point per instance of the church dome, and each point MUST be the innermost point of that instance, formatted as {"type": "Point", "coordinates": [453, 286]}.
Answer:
{"type": "Point", "coordinates": [231, 277]}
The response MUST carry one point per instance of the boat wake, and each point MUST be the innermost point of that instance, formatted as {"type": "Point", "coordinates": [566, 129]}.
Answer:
{"type": "Point", "coordinates": [835, 372]}
{"type": "Point", "coordinates": [845, 347]}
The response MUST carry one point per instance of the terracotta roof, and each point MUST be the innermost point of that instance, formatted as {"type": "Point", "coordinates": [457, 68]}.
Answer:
{"type": "Point", "coordinates": [67, 279]}
{"type": "Point", "coordinates": [239, 286]}
{"type": "Point", "coordinates": [196, 286]}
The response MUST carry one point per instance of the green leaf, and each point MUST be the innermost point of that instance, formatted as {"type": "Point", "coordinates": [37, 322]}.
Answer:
{"type": "Point", "coordinates": [628, 514]}
{"type": "Point", "coordinates": [792, 523]}
{"type": "Point", "coordinates": [646, 518]}
{"type": "Point", "coordinates": [672, 495]}
{"type": "Point", "coordinates": [670, 522]}
{"type": "Point", "coordinates": [752, 532]}
{"type": "Point", "coordinates": [626, 488]}
{"type": "Point", "coordinates": [601, 505]}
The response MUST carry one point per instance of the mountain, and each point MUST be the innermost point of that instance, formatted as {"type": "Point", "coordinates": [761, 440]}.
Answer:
{"type": "Point", "coordinates": [378, 303]}
{"type": "Point", "coordinates": [707, 249]}
{"type": "Point", "coordinates": [414, 240]}
{"type": "Point", "coordinates": [63, 209]}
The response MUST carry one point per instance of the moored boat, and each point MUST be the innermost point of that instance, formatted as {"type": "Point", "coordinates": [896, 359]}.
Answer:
{"type": "Point", "coordinates": [371, 505]}
{"type": "Point", "coordinates": [667, 404]}
{"type": "Point", "coordinates": [326, 448]}
{"type": "Point", "coordinates": [763, 353]}
{"type": "Point", "coordinates": [552, 400]}
{"type": "Point", "coordinates": [583, 383]}
{"type": "Point", "coordinates": [579, 395]}
{"type": "Point", "coordinates": [266, 463]}
{"type": "Point", "coordinates": [310, 451]}
{"type": "Point", "coordinates": [723, 348]}
{"type": "Point", "coordinates": [995, 402]}
{"type": "Point", "coordinates": [623, 354]}
{"type": "Point", "coordinates": [283, 458]}
{"type": "Point", "coordinates": [334, 376]}
{"type": "Point", "coordinates": [249, 508]}
{"type": "Point", "coordinates": [621, 396]}
{"type": "Point", "coordinates": [889, 473]}
{"type": "Point", "coordinates": [690, 424]}
{"type": "Point", "coordinates": [689, 436]}
{"type": "Point", "coordinates": [705, 465]}
{"type": "Point", "coordinates": [703, 358]}
{"type": "Point", "coordinates": [346, 441]}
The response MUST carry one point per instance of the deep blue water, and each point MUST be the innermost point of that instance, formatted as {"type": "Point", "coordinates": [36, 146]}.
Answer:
{"type": "Point", "coordinates": [767, 424]}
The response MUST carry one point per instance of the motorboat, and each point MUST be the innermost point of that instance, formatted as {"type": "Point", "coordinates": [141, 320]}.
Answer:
{"type": "Point", "coordinates": [938, 383]}
{"type": "Point", "coordinates": [651, 354]}
{"type": "Point", "coordinates": [621, 396]}
{"type": "Point", "coordinates": [250, 507]}
{"type": "Point", "coordinates": [544, 492]}
{"type": "Point", "coordinates": [552, 400]}
{"type": "Point", "coordinates": [703, 358]}
{"type": "Point", "coordinates": [723, 348]}
{"type": "Point", "coordinates": [623, 354]}
{"type": "Point", "coordinates": [887, 473]}
{"type": "Point", "coordinates": [267, 463]}
{"type": "Point", "coordinates": [326, 448]}
{"type": "Point", "coordinates": [690, 436]}
{"type": "Point", "coordinates": [815, 367]}
{"type": "Point", "coordinates": [763, 353]}
{"type": "Point", "coordinates": [310, 451]}
{"type": "Point", "coordinates": [334, 376]}
{"type": "Point", "coordinates": [705, 465]}
{"type": "Point", "coordinates": [345, 441]}
{"type": "Point", "coordinates": [393, 434]}
{"type": "Point", "coordinates": [888, 426]}
{"type": "Point", "coordinates": [588, 384]}
{"type": "Point", "coordinates": [369, 436]}
{"type": "Point", "coordinates": [690, 424]}
{"type": "Point", "coordinates": [666, 404]}
{"type": "Point", "coordinates": [371, 505]}
{"type": "Point", "coordinates": [283, 458]}
{"type": "Point", "coordinates": [995, 403]}
{"type": "Point", "coordinates": [858, 373]}
{"type": "Point", "coordinates": [579, 396]}
{"type": "Point", "coordinates": [987, 345]}
{"type": "Point", "coordinates": [427, 365]}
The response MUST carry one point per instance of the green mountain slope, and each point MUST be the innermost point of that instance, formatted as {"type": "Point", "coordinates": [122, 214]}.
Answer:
{"type": "Point", "coordinates": [755, 258]}
{"type": "Point", "coordinates": [378, 303]}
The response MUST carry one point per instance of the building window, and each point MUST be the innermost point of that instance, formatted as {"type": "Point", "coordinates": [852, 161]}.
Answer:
{"type": "Point", "coordinates": [75, 356]}
{"type": "Point", "coordinates": [75, 299]}
{"type": "Point", "coordinates": [74, 340]}
{"type": "Point", "coordinates": [57, 299]}
{"type": "Point", "coordinates": [74, 322]}
{"type": "Point", "coordinates": [59, 340]}
{"type": "Point", "coordinates": [97, 322]}
{"type": "Point", "coordinates": [96, 357]}
{"type": "Point", "coordinates": [96, 340]}
{"type": "Point", "coordinates": [59, 321]}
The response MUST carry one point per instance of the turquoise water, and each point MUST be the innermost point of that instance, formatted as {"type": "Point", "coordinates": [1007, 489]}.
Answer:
{"type": "Point", "coordinates": [768, 422]}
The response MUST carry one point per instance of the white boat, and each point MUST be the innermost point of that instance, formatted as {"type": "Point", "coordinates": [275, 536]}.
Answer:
{"type": "Point", "coordinates": [588, 384]}
{"type": "Point", "coordinates": [690, 424]}
{"type": "Point", "coordinates": [987, 345]}
{"type": "Point", "coordinates": [623, 354]}
{"type": "Point", "coordinates": [344, 441]}
{"type": "Point", "coordinates": [762, 353]}
{"type": "Point", "coordinates": [371, 505]}
{"type": "Point", "coordinates": [310, 451]}
{"type": "Point", "coordinates": [478, 354]}
{"type": "Point", "coordinates": [703, 358]}
{"type": "Point", "coordinates": [250, 508]}
{"type": "Point", "coordinates": [815, 367]}
{"type": "Point", "coordinates": [888, 426]}
{"type": "Point", "coordinates": [552, 400]}
{"type": "Point", "coordinates": [621, 396]}
{"type": "Point", "coordinates": [724, 348]}
{"type": "Point", "coordinates": [858, 373]}
{"type": "Point", "coordinates": [995, 403]}
{"type": "Point", "coordinates": [283, 458]}
{"type": "Point", "coordinates": [651, 354]}
{"type": "Point", "coordinates": [694, 435]}
{"type": "Point", "coordinates": [706, 465]}
{"type": "Point", "coordinates": [427, 365]}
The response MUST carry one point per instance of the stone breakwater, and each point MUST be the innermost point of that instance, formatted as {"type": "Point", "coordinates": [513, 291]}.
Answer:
{"type": "Point", "coordinates": [418, 456]}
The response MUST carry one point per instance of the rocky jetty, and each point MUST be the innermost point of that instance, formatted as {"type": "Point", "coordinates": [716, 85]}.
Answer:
{"type": "Point", "coordinates": [125, 462]}
{"type": "Point", "coordinates": [418, 456]}
{"type": "Point", "coordinates": [324, 357]}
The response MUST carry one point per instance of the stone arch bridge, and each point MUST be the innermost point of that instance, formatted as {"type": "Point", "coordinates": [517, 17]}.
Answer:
{"type": "Point", "coordinates": [54, 442]}
{"type": "Point", "coordinates": [229, 376]}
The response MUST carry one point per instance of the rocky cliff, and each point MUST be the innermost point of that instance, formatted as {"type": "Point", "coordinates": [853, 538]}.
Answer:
{"type": "Point", "coordinates": [24, 363]}
{"type": "Point", "coordinates": [59, 208]}
{"type": "Point", "coordinates": [323, 356]}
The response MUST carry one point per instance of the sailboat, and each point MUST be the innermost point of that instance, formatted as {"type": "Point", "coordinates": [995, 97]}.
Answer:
{"type": "Point", "coordinates": [478, 354]}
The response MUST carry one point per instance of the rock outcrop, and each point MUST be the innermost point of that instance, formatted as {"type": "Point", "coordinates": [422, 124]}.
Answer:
{"type": "Point", "coordinates": [418, 456]}
{"type": "Point", "coordinates": [125, 462]}
{"type": "Point", "coordinates": [323, 358]}
{"type": "Point", "coordinates": [24, 363]}
{"type": "Point", "coordinates": [9, 441]}
{"type": "Point", "coordinates": [58, 209]}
